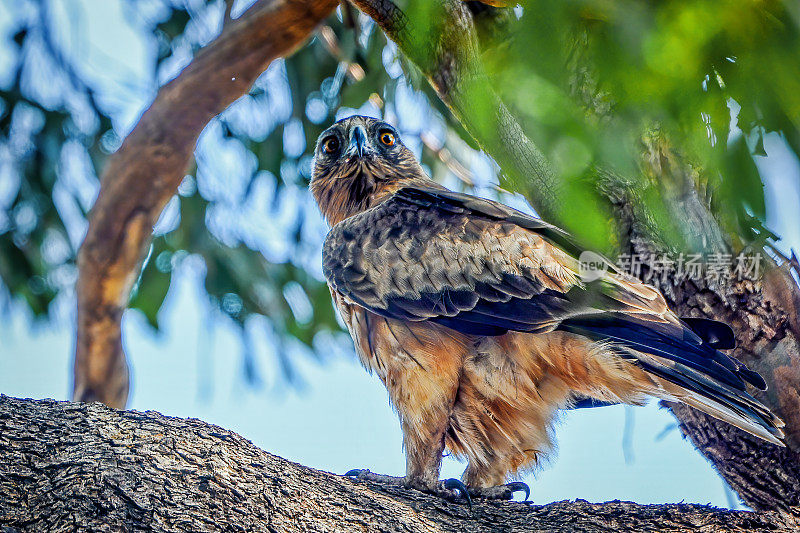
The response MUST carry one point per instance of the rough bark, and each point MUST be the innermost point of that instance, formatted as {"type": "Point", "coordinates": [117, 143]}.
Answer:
{"type": "Point", "coordinates": [141, 177]}
{"type": "Point", "coordinates": [763, 314]}
{"type": "Point", "coordinates": [84, 467]}
{"type": "Point", "coordinates": [764, 476]}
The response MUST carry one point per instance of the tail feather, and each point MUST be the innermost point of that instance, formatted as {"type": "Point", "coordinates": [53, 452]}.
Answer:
{"type": "Point", "coordinates": [689, 368]}
{"type": "Point", "coordinates": [721, 412]}
{"type": "Point", "coordinates": [731, 405]}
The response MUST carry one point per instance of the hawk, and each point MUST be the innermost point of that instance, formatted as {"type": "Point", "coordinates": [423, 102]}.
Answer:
{"type": "Point", "coordinates": [478, 321]}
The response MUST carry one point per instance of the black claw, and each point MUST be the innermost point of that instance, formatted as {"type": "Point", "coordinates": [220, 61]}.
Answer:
{"type": "Point", "coordinates": [516, 486]}
{"type": "Point", "coordinates": [456, 484]}
{"type": "Point", "coordinates": [355, 472]}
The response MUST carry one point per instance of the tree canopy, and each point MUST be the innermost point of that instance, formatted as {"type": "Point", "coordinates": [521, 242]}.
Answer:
{"type": "Point", "coordinates": [599, 87]}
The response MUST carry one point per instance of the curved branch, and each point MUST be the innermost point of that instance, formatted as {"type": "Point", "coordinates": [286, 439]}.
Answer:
{"type": "Point", "coordinates": [447, 54]}
{"type": "Point", "coordinates": [143, 174]}
{"type": "Point", "coordinates": [65, 464]}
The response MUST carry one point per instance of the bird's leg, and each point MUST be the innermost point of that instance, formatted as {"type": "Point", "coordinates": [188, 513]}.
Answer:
{"type": "Point", "coordinates": [423, 462]}
{"type": "Point", "coordinates": [424, 445]}
{"type": "Point", "coordinates": [425, 418]}
{"type": "Point", "coordinates": [421, 370]}
{"type": "Point", "coordinates": [422, 473]}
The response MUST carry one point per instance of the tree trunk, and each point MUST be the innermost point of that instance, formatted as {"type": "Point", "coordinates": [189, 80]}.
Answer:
{"type": "Point", "coordinates": [141, 177]}
{"type": "Point", "coordinates": [763, 316]}
{"type": "Point", "coordinates": [84, 467]}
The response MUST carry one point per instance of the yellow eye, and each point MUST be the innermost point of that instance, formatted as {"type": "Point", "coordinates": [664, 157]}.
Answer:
{"type": "Point", "coordinates": [330, 145]}
{"type": "Point", "coordinates": [387, 138]}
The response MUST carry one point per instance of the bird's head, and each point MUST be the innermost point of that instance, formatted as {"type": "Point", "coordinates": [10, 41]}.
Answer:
{"type": "Point", "coordinates": [358, 161]}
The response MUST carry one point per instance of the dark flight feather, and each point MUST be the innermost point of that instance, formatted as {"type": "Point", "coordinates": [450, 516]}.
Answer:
{"type": "Point", "coordinates": [669, 341]}
{"type": "Point", "coordinates": [714, 333]}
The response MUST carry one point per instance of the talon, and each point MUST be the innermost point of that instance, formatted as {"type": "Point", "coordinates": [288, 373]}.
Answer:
{"type": "Point", "coordinates": [356, 472]}
{"type": "Point", "coordinates": [516, 486]}
{"type": "Point", "coordinates": [456, 484]}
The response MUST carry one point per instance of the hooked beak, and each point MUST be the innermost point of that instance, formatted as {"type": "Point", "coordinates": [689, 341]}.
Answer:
{"type": "Point", "coordinates": [358, 142]}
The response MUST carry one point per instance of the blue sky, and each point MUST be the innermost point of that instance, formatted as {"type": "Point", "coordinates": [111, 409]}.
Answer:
{"type": "Point", "coordinates": [340, 418]}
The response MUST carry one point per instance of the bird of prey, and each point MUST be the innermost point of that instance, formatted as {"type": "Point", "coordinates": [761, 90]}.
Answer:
{"type": "Point", "coordinates": [477, 319]}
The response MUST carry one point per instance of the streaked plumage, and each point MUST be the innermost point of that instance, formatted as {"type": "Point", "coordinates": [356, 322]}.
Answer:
{"type": "Point", "coordinates": [477, 320]}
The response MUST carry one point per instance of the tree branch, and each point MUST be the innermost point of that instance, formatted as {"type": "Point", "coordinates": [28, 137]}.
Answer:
{"type": "Point", "coordinates": [226, 14]}
{"type": "Point", "coordinates": [142, 176]}
{"type": "Point", "coordinates": [66, 465]}
{"type": "Point", "coordinates": [446, 52]}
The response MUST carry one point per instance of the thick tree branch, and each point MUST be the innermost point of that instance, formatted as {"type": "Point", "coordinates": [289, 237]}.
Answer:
{"type": "Point", "coordinates": [765, 477]}
{"type": "Point", "coordinates": [66, 465]}
{"type": "Point", "coordinates": [140, 178]}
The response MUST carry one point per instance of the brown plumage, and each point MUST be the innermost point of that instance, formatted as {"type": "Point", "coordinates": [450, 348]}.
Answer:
{"type": "Point", "coordinates": [477, 319]}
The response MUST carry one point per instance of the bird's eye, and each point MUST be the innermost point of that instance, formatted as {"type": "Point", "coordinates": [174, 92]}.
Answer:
{"type": "Point", "coordinates": [330, 145]}
{"type": "Point", "coordinates": [387, 138]}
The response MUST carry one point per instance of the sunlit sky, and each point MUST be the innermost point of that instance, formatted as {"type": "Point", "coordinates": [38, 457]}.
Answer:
{"type": "Point", "coordinates": [340, 417]}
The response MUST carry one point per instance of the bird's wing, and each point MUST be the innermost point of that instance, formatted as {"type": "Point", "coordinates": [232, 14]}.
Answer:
{"type": "Point", "coordinates": [483, 268]}
{"type": "Point", "coordinates": [475, 265]}
{"type": "Point", "coordinates": [435, 254]}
